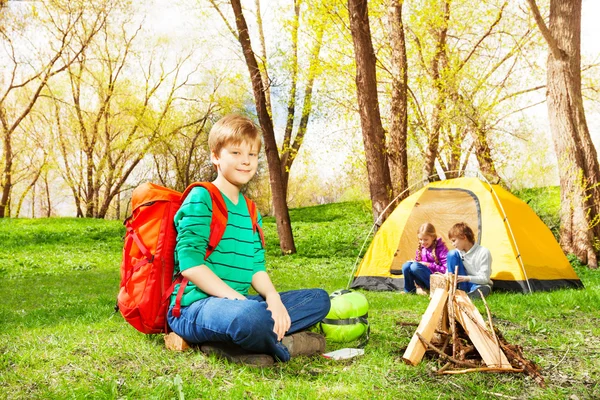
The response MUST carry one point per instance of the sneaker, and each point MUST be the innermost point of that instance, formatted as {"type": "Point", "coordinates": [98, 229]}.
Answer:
{"type": "Point", "coordinates": [485, 290]}
{"type": "Point", "coordinates": [236, 354]}
{"type": "Point", "coordinates": [304, 344]}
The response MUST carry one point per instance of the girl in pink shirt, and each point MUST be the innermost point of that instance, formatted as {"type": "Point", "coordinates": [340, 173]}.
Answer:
{"type": "Point", "coordinates": [430, 258]}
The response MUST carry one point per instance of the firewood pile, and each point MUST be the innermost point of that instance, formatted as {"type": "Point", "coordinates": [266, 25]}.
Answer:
{"type": "Point", "coordinates": [454, 330]}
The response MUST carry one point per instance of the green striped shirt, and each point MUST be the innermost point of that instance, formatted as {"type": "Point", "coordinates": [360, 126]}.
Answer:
{"type": "Point", "coordinates": [238, 256]}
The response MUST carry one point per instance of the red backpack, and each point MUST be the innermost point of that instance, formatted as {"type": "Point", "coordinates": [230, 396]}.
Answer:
{"type": "Point", "coordinates": [148, 253]}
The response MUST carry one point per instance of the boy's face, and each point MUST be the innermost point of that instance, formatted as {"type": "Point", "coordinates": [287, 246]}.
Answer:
{"type": "Point", "coordinates": [461, 243]}
{"type": "Point", "coordinates": [237, 163]}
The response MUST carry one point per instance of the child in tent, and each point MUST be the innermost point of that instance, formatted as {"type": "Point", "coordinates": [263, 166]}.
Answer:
{"type": "Point", "coordinates": [216, 309]}
{"type": "Point", "coordinates": [473, 261]}
{"type": "Point", "coordinates": [430, 258]}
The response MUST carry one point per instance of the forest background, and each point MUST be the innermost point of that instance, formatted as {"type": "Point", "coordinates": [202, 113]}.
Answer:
{"type": "Point", "coordinates": [98, 96]}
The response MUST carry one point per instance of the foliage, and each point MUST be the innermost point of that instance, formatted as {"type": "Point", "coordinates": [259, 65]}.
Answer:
{"type": "Point", "coordinates": [59, 337]}
{"type": "Point", "coordinates": [486, 86]}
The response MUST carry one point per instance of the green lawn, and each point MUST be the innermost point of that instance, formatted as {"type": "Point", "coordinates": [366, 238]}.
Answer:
{"type": "Point", "coordinates": [60, 338]}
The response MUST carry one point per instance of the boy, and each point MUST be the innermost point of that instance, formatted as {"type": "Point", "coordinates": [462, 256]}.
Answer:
{"type": "Point", "coordinates": [216, 308]}
{"type": "Point", "coordinates": [474, 262]}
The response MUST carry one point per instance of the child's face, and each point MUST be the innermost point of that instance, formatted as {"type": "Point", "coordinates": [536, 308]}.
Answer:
{"type": "Point", "coordinates": [237, 163]}
{"type": "Point", "coordinates": [425, 240]}
{"type": "Point", "coordinates": [460, 242]}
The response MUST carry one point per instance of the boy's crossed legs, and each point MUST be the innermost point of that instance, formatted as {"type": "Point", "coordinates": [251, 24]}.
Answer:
{"type": "Point", "coordinates": [248, 323]}
{"type": "Point", "coordinates": [454, 262]}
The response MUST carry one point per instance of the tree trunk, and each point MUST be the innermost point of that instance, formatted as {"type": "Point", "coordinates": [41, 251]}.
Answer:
{"type": "Point", "coordinates": [398, 157]}
{"type": "Point", "coordinates": [48, 197]}
{"type": "Point", "coordinates": [90, 192]}
{"type": "Point", "coordinates": [6, 175]}
{"type": "Point", "coordinates": [289, 154]}
{"type": "Point", "coordinates": [483, 152]}
{"type": "Point", "coordinates": [31, 187]}
{"type": "Point", "coordinates": [438, 63]}
{"type": "Point", "coordinates": [118, 207]}
{"type": "Point", "coordinates": [33, 198]}
{"type": "Point", "coordinates": [577, 158]}
{"type": "Point", "coordinates": [380, 185]}
{"type": "Point", "coordinates": [291, 107]}
{"type": "Point", "coordinates": [282, 215]}
{"type": "Point", "coordinates": [264, 71]}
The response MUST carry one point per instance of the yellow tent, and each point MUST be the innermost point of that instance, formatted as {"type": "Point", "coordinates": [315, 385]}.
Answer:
{"type": "Point", "coordinates": [525, 254]}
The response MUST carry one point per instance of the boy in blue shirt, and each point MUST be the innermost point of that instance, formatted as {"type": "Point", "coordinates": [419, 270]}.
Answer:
{"type": "Point", "coordinates": [216, 308]}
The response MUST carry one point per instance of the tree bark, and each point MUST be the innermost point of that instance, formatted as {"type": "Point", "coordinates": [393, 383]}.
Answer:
{"type": "Point", "coordinates": [398, 157]}
{"type": "Point", "coordinates": [291, 149]}
{"type": "Point", "coordinates": [30, 187]}
{"type": "Point", "coordinates": [438, 63]}
{"type": "Point", "coordinates": [380, 185]}
{"type": "Point", "coordinates": [483, 152]}
{"type": "Point", "coordinates": [264, 71]}
{"type": "Point", "coordinates": [291, 107]}
{"type": "Point", "coordinates": [577, 158]}
{"type": "Point", "coordinates": [282, 215]}
{"type": "Point", "coordinates": [6, 175]}
{"type": "Point", "coordinates": [48, 197]}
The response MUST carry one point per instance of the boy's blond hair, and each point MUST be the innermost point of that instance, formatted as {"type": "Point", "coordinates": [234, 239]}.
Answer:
{"type": "Point", "coordinates": [461, 230]}
{"type": "Point", "coordinates": [233, 129]}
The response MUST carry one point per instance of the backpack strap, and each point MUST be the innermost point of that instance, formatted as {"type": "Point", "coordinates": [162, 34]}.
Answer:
{"type": "Point", "coordinates": [132, 237]}
{"type": "Point", "coordinates": [177, 308]}
{"type": "Point", "coordinates": [254, 217]}
{"type": "Point", "coordinates": [218, 222]}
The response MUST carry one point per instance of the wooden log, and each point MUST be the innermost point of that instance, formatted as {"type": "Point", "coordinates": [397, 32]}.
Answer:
{"type": "Point", "coordinates": [175, 342]}
{"type": "Point", "coordinates": [438, 280]}
{"type": "Point", "coordinates": [489, 315]}
{"type": "Point", "coordinates": [444, 355]}
{"type": "Point", "coordinates": [451, 311]}
{"type": "Point", "coordinates": [416, 349]}
{"type": "Point", "coordinates": [491, 354]}
{"type": "Point", "coordinates": [482, 369]}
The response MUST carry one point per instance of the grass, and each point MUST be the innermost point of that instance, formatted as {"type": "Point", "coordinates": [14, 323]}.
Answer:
{"type": "Point", "coordinates": [60, 338]}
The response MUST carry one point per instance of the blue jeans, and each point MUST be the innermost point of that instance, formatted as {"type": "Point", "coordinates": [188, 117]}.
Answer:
{"type": "Point", "coordinates": [454, 261]}
{"type": "Point", "coordinates": [414, 271]}
{"type": "Point", "coordinates": [248, 323]}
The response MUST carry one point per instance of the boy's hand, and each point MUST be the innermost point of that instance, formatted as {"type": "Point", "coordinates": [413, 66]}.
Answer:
{"type": "Point", "coordinates": [463, 278]}
{"type": "Point", "coordinates": [263, 285]}
{"type": "Point", "coordinates": [280, 315]}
